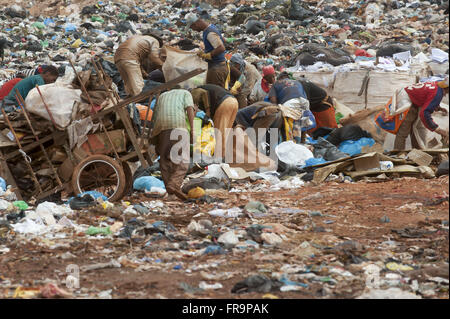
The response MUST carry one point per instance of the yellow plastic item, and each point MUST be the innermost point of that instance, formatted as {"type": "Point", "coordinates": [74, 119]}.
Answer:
{"type": "Point", "coordinates": [26, 293]}
{"type": "Point", "coordinates": [288, 127]}
{"type": "Point", "coordinates": [270, 296]}
{"type": "Point", "coordinates": [196, 192]}
{"type": "Point", "coordinates": [107, 205]}
{"type": "Point", "coordinates": [205, 143]}
{"type": "Point", "coordinates": [394, 267]}
{"type": "Point", "coordinates": [77, 43]}
{"type": "Point", "coordinates": [235, 88]}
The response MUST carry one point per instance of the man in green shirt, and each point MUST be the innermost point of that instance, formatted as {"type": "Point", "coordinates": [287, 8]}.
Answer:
{"type": "Point", "coordinates": [170, 135]}
{"type": "Point", "coordinates": [49, 75]}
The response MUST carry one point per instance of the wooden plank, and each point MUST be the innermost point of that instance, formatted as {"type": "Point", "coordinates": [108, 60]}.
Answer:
{"type": "Point", "coordinates": [125, 117]}
{"type": "Point", "coordinates": [6, 173]}
{"type": "Point", "coordinates": [29, 147]}
{"type": "Point", "coordinates": [147, 94]}
{"type": "Point", "coordinates": [52, 191]}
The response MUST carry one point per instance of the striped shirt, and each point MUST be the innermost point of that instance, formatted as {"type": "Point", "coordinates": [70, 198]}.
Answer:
{"type": "Point", "coordinates": [27, 73]}
{"type": "Point", "coordinates": [170, 111]}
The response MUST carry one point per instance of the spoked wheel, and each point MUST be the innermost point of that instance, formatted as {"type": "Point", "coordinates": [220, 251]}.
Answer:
{"type": "Point", "coordinates": [100, 173]}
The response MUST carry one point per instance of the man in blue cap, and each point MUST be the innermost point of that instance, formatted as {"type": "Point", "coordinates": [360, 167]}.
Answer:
{"type": "Point", "coordinates": [244, 75]}
{"type": "Point", "coordinates": [218, 68]}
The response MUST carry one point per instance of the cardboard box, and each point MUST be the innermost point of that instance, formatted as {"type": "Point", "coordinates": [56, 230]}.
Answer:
{"type": "Point", "coordinates": [234, 173]}
{"type": "Point", "coordinates": [366, 162]}
{"type": "Point", "coordinates": [420, 158]}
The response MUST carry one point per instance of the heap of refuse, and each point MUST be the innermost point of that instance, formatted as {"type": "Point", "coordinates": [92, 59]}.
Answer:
{"type": "Point", "coordinates": [296, 35]}
{"type": "Point", "coordinates": [297, 237]}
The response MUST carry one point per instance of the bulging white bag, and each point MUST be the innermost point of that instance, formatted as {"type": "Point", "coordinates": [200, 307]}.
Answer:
{"type": "Point", "coordinates": [60, 99]}
{"type": "Point", "coordinates": [179, 62]}
{"type": "Point", "coordinates": [292, 153]}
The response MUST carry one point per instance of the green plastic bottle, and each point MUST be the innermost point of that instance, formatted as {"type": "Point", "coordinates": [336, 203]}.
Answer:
{"type": "Point", "coordinates": [92, 231]}
{"type": "Point", "coordinates": [20, 204]}
{"type": "Point", "coordinates": [38, 25]}
{"type": "Point", "coordinates": [97, 19]}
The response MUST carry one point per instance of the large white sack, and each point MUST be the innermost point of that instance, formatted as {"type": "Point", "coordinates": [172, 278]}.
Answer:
{"type": "Point", "coordinates": [179, 62]}
{"type": "Point", "coordinates": [292, 153]}
{"type": "Point", "coordinates": [60, 99]}
{"type": "Point", "coordinates": [383, 85]}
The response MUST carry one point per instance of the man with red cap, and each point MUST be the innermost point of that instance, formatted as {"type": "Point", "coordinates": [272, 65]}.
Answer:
{"type": "Point", "coordinates": [262, 87]}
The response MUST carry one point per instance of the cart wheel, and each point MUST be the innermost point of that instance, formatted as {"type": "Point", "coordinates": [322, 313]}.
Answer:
{"type": "Point", "coordinates": [99, 173]}
{"type": "Point", "coordinates": [128, 179]}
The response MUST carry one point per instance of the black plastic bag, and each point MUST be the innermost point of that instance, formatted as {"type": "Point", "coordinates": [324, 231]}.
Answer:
{"type": "Point", "coordinates": [347, 133]}
{"type": "Point", "coordinates": [442, 169]}
{"type": "Point", "coordinates": [327, 151]}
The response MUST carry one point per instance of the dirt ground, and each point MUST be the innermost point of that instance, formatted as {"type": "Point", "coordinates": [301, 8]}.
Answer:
{"type": "Point", "coordinates": [418, 210]}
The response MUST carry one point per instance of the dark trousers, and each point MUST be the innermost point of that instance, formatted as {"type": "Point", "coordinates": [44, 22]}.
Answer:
{"type": "Point", "coordinates": [406, 129]}
{"type": "Point", "coordinates": [172, 173]}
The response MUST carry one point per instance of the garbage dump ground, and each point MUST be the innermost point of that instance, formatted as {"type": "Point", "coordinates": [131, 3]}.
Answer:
{"type": "Point", "coordinates": [327, 237]}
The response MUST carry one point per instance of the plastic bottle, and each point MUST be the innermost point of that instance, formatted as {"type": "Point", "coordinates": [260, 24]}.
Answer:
{"type": "Point", "coordinates": [386, 165]}
{"type": "Point", "coordinates": [92, 231]}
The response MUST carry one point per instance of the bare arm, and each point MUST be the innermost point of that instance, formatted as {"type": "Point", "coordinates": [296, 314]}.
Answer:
{"type": "Point", "coordinates": [191, 115]}
{"type": "Point", "coordinates": [273, 100]}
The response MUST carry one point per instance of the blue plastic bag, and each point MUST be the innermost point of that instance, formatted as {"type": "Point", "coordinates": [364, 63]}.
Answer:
{"type": "Point", "coordinates": [48, 21]}
{"type": "Point", "coordinates": [2, 184]}
{"type": "Point", "coordinates": [355, 147]}
{"type": "Point", "coordinates": [314, 161]}
{"type": "Point", "coordinates": [309, 114]}
{"type": "Point", "coordinates": [200, 115]}
{"type": "Point", "coordinates": [93, 194]}
{"type": "Point", "coordinates": [147, 182]}
{"type": "Point", "coordinates": [70, 27]}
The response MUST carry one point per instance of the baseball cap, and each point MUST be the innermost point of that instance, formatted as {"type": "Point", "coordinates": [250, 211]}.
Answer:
{"type": "Point", "coordinates": [191, 18]}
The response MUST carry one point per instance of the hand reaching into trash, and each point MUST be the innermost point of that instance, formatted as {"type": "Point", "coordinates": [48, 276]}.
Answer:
{"type": "Point", "coordinates": [441, 109]}
{"type": "Point", "coordinates": [442, 133]}
{"type": "Point", "coordinates": [204, 56]}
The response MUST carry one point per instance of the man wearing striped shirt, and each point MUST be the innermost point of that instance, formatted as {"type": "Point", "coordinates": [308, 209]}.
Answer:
{"type": "Point", "coordinates": [172, 122]}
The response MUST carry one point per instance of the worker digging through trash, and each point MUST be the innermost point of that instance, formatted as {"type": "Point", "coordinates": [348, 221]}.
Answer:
{"type": "Point", "coordinates": [262, 87]}
{"type": "Point", "coordinates": [172, 121]}
{"type": "Point", "coordinates": [221, 106]}
{"type": "Point", "coordinates": [418, 101]}
{"type": "Point", "coordinates": [48, 75]}
{"type": "Point", "coordinates": [244, 76]}
{"type": "Point", "coordinates": [135, 59]}
{"type": "Point", "coordinates": [425, 99]}
{"type": "Point", "coordinates": [214, 53]}
{"type": "Point", "coordinates": [320, 104]}
{"type": "Point", "coordinates": [290, 93]}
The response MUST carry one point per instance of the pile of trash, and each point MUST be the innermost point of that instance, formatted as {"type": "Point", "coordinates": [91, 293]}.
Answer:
{"type": "Point", "coordinates": [337, 36]}
{"type": "Point", "coordinates": [287, 246]}
{"type": "Point", "coordinates": [360, 52]}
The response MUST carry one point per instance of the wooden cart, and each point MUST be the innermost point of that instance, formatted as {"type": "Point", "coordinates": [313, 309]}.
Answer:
{"type": "Point", "coordinates": [107, 173]}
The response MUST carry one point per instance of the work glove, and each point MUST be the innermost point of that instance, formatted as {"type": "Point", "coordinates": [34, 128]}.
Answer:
{"type": "Point", "coordinates": [234, 90]}
{"type": "Point", "coordinates": [204, 56]}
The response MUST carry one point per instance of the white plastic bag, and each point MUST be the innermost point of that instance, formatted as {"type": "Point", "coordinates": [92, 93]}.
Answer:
{"type": "Point", "coordinates": [179, 62]}
{"type": "Point", "coordinates": [60, 99]}
{"type": "Point", "coordinates": [292, 153]}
